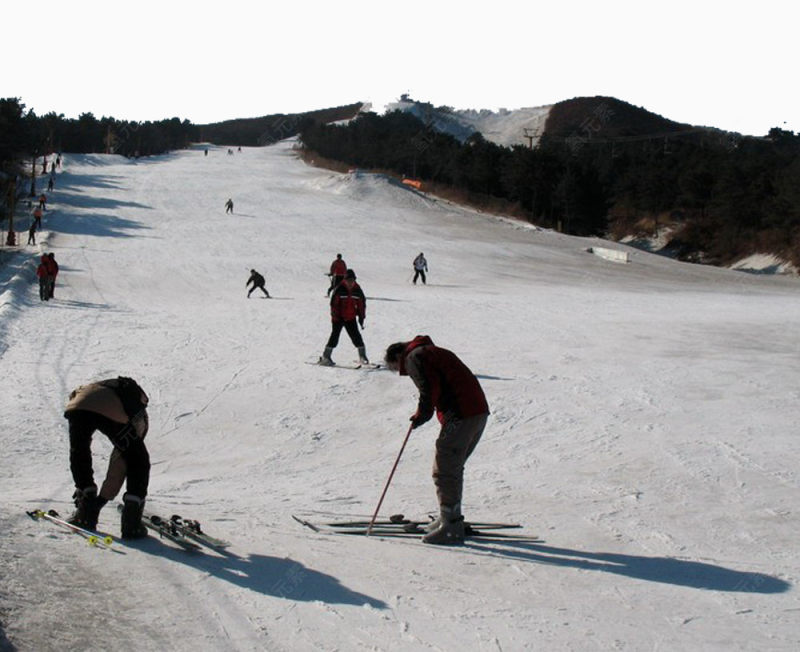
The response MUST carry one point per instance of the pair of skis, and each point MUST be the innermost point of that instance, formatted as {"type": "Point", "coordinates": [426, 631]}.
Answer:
{"type": "Point", "coordinates": [186, 533]}
{"type": "Point", "coordinates": [367, 366]}
{"type": "Point", "coordinates": [399, 526]}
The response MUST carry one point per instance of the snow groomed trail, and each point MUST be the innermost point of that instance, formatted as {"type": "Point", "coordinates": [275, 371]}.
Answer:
{"type": "Point", "coordinates": [644, 422]}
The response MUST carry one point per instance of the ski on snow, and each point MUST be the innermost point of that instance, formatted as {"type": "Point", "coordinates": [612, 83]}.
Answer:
{"type": "Point", "coordinates": [185, 533]}
{"type": "Point", "coordinates": [365, 366]}
{"type": "Point", "coordinates": [398, 526]}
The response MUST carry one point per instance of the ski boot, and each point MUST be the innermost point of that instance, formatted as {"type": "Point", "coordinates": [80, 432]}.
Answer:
{"type": "Point", "coordinates": [325, 358]}
{"type": "Point", "coordinates": [87, 508]}
{"type": "Point", "coordinates": [362, 355]}
{"type": "Point", "coordinates": [132, 526]}
{"type": "Point", "coordinates": [449, 531]}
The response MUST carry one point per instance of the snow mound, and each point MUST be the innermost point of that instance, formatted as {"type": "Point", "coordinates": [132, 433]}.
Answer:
{"type": "Point", "coordinates": [504, 127]}
{"type": "Point", "coordinates": [764, 264]}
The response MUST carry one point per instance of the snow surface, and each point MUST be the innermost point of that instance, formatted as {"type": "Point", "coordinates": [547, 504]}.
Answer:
{"type": "Point", "coordinates": [764, 264]}
{"type": "Point", "coordinates": [644, 424]}
{"type": "Point", "coordinates": [504, 127]}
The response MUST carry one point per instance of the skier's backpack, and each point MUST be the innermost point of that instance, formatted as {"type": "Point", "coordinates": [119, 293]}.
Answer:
{"type": "Point", "coordinates": [133, 398]}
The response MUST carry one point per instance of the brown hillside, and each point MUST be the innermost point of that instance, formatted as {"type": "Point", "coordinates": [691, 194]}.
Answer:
{"type": "Point", "coordinates": [605, 117]}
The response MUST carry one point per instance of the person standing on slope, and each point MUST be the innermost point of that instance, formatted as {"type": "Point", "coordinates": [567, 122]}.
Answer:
{"type": "Point", "coordinates": [449, 388]}
{"type": "Point", "coordinates": [117, 407]}
{"type": "Point", "coordinates": [229, 206]}
{"type": "Point", "coordinates": [420, 267]}
{"type": "Point", "coordinates": [348, 311]}
{"type": "Point", "coordinates": [52, 273]}
{"type": "Point", "coordinates": [43, 274]}
{"type": "Point", "coordinates": [337, 272]}
{"type": "Point", "coordinates": [258, 282]}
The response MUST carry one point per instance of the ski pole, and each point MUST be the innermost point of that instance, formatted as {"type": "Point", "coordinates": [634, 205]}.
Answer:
{"type": "Point", "coordinates": [391, 475]}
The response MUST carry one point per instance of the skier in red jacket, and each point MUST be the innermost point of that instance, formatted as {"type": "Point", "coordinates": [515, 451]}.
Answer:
{"type": "Point", "coordinates": [449, 388]}
{"type": "Point", "coordinates": [52, 273]}
{"type": "Point", "coordinates": [338, 270]}
{"type": "Point", "coordinates": [43, 274]}
{"type": "Point", "coordinates": [348, 306]}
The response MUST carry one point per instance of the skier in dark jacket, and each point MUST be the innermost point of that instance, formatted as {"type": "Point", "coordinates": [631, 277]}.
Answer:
{"type": "Point", "coordinates": [258, 282]}
{"type": "Point", "coordinates": [117, 407]}
{"type": "Point", "coordinates": [420, 267]}
{"type": "Point", "coordinates": [448, 388]}
{"type": "Point", "coordinates": [348, 311]}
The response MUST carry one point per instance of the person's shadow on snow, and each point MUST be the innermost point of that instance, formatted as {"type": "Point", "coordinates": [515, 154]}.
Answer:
{"type": "Point", "coordinates": [666, 570]}
{"type": "Point", "coordinates": [281, 578]}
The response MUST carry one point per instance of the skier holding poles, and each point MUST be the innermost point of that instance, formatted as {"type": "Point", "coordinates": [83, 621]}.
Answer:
{"type": "Point", "coordinates": [449, 388]}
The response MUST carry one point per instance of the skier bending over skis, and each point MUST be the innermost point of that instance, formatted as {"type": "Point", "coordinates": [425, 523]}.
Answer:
{"type": "Point", "coordinates": [258, 282]}
{"type": "Point", "coordinates": [447, 386]}
{"type": "Point", "coordinates": [348, 304]}
{"type": "Point", "coordinates": [117, 407]}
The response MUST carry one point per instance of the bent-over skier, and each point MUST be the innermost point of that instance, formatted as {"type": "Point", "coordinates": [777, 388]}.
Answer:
{"type": "Point", "coordinates": [117, 407]}
{"type": "Point", "coordinates": [449, 388]}
{"type": "Point", "coordinates": [258, 282]}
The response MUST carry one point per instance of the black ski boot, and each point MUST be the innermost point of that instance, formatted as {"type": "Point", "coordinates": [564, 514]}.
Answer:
{"type": "Point", "coordinates": [87, 508]}
{"type": "Point", "coordinates": [132, 526]}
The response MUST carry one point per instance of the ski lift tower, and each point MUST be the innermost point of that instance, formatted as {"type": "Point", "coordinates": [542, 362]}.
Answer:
{"type": "Point", "coordinates": [530, 134]}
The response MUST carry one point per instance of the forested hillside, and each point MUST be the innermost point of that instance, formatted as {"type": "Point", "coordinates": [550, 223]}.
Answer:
{"type": "Point", "coordinates": [604, 167]}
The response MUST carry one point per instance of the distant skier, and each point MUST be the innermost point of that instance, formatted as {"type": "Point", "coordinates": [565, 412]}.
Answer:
{"type": "Point", "coordinates": [117, 407]}
{"type": "Point", "coordinates": [43, 202]}
{"type": "Point", "coordinates": [43, 274]}
{"type": "Point", "coordinates": [52, 274]}
{"type": "Point", "coordinates": [51, 183]}
{"type": "Point", "coordinates": [32, 233]}
{"type": "Point", "coordinates": [229, 206]}
{"type": "Point", "coordinates": [336, 273]}
{"type": "Point", "coordinates": [258, 282]}
{"type": "Point", "coordinates": [447, 386]}
{"type": "Point", "coordinates": [348, 311]}
{"type": "Point", "coordinates": [37, 217]}
{"type": "Point", "coordinates": [420, 267]}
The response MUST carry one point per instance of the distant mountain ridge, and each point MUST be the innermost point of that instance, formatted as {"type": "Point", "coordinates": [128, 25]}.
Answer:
{"type": "Point", "coordinates": [579, 118]}
{"type": "Point", "coordinates": [269, 129]}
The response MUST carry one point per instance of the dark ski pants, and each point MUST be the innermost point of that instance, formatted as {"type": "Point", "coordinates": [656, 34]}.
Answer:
{"type": "Point", "coordinates": [417, 274]}
{"type": "Point", "coordinates": [260, 287]}
{"type": "Point", "coordinates": [44, 289]}
{"type": "Point", "coordinates": [352, 330]}
{"type": "Point", "coordinates": [457, 439]}
{"type": "Point", "coordinates": [335, 280]}
{"type": "Point", "coordinates": [82, 425]}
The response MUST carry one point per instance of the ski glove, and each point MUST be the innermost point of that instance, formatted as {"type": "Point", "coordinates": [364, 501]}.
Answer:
{"type": "Point", "coordinates": [418, 418]}
{"type": "Point", "coordinates": [361, 322]}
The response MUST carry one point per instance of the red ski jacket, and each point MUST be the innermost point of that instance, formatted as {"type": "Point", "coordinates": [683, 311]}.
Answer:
{"type": "Point", "coordinates": [338, 267]}
{"type": "Point", "coordinates": [348, 302]}
{"type": "Point", "coordinates": [445, 383]}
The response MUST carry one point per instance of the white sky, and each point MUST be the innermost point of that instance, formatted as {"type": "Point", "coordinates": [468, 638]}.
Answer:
{"type": "Point", "coordinates": [704, 63]}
